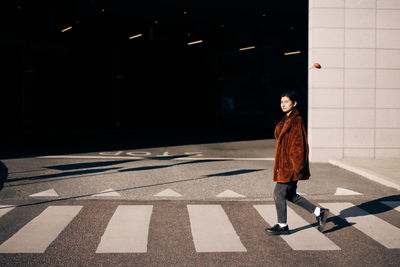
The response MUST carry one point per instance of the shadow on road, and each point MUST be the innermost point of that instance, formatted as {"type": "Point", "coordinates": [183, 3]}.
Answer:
{"type": "Point", "coordinates": [3, 174]}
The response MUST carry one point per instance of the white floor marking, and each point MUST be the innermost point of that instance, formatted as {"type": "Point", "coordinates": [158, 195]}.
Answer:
{"type": "Point", "coordinates": [127, 231]}
{"type": "Point", "coordinates": [47, 193]}
{"type": "Point", "coordinates": [143, 157]}
{"type": "Point", "coordinates": [230, 193]}
{"type": "Point", "coordinates": [39, 233]}
{"type": "Point", "coordinates": [212, 231]}
{"type": "Point", "coordinates": [5, 209]}
{"type": "Point", "coordinates": [168, 193]}
{"type": "Point", "coordinates": [107, 193]}
{"type": "Point", "coordinates": [301, 194]}
{"type": "Point", "coordinates": [345, 192]}
{"type": "Point", "coordinates": [303, 235]}
{"type": "Point", "coordinates": [376, 228]}
{"type": "Point", "coordinates": [393, 204]}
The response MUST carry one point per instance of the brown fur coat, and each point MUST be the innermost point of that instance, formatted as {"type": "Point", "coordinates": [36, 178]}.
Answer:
{"type": "Point", "coordinates": [291, 154]}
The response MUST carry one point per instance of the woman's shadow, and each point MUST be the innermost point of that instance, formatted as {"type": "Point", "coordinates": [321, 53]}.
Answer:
{"type": "Point", "coordinates": [367, 208]}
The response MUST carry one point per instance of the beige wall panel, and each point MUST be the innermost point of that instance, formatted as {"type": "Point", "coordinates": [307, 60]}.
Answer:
{"type": "Point", "coordinates": [388, 138]}
{"type": "Point", "coordinates": [327, 38]}
{"type": "Point", "coordinates": [360, 18]}
{"type": "Point", "coordinates": [358, 153]}
{"type": "Point", "coordinates": [327, 118]}
{"type": "Point", "coordinates": [359, 98]}
{"type": "Point", "coordinates": [359, 58]}
{"type": "Point", "coordinates": [327, 138]}
{"type": "Point", "coordinates": [327, 98]}
{"type": "Point", "coordinates": [325, 17]}
{"type": "Point", "coordinates": [327, 57]}
{"type": "Point", "coordinates": [388, 118]}
{"type": "Point", "coordinates": [327, 78]}
{"type": "Point", "coordinates": [325, 154]}
{"type": "Point", "coordinates": [359, 78]}
{"type": "Point", "coordinates": [386, 58]}
{"type": "Point", "coordinates": [359, 138]}
{"type": "Point", "coordinates": [388, 19]}
{"type": "Point", "coordinates": [384, 153]}
{"type": "Point", "coordinates": [360, 38]}
{"type": "Point", "coordinates": [388, 79]}
{"type": "Point", "coordinates": [388, 39]}
{"type": "Point", "coordinates": [388, 4]}
{"type": "Point", "coordinates": [388, 98]}
{"type": "Point", "coordinates": [326, 3]}
{"type": "Point", "coordinates": [359, 118]}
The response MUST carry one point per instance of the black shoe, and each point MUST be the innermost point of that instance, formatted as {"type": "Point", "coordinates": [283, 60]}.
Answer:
{"type": "Point", "coordinates": [321, 219]}
{"type": "Point", "coordinates": [277, 230]}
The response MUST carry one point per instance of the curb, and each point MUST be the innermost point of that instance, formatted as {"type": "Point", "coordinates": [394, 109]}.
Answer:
{"type": "Point", "coordinates": [366, 173]}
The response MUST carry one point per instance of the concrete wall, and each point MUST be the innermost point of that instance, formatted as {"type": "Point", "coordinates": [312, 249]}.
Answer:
{"type": "Point", "coordinates": [354, 99]}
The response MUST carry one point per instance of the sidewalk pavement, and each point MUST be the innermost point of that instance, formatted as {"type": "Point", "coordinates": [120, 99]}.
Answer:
{"type": "Point", "coordinates": [383, 171]}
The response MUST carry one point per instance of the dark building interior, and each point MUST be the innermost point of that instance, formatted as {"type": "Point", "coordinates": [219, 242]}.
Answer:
{"type": "Point", "coordinates": [128, 66]}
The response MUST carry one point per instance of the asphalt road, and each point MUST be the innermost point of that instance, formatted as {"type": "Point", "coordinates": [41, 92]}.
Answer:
{"type": "Point", "coordinates": [224, 184]}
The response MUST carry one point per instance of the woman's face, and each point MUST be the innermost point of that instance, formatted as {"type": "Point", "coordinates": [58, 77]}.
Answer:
{"type": "Point", "coordinates": [287, 105]}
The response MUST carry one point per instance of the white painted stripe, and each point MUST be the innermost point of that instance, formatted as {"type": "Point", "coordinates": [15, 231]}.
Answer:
{"type": "Point", "coordinates": [39, 233]}
{"type": "Point", "coordinates": [393, 204]}
{"type": "Point", "coordinates": [47, 193]}
{"type": "Point", "coordinates": [303, 236]}
{"type": "Point", "coordinates": [5, 209]}
{"type": "Point", "coordinates": [107, 193]}
{"type": "Point", "coordinates": [161, 157]}
{"type": "Point", "coordinates": [212, 231]}
{"type": "Point", "coordinates": [230, 193]}
{"type": "Point", "coordinates": [345, 192]}
{"type": "Point", "coordinates": [376, 228]}
{"type": "Point", "coordinates": [168, 193]}
{"type": "Point", "coordinates": [127, 231]}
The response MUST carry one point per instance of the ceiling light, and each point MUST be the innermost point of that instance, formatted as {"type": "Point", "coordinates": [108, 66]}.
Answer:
{"type": "Point", "coordinates": [247, 48]}
{"type": "Point", "coordinates": [67, 29]}
{"type": "Point", "coordinates": [136, 36]}
{"type": "Point", "coordinates": [195, 42]}
{"type": "Point", "coordinates": [292, 53]}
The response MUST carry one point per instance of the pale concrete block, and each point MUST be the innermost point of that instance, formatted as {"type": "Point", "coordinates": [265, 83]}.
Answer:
{"type": "Point", "coordinates": [359, 58]}
{"type": "Point", "coordinates": [385, 153]}
{"type": "Point", "coordinates": [359, 98]}
{"type": "Point", "coordinates": [388, 59]}
{"type": "Point", "coordinates": [388, 39]}
{"type": "Point", "coordinates": [388, 138]}
{"type": "Point", "coordinates": [388, 98]}
{"type": "Point", "coordinates": [388, 4]}
{"type": "Point", "coordinates": [388, 19]}
{"type": "Point", "coordinates": [325, 154]}
{"type": "Point", "coordinates": [359, 138]}
{"type": "Point", "coordinates": [326, 3]}
{"type": "Point", "coordinates": [327, 118]}
{"type": "Point", "coordinates": [360, 18]}
{"type": "Point", "coordinates": [327, 57]}
{"type": "Point", "coordinates": [360, 3]}
{"type": "Point", "coordinates": [357, 78]}
{"type": "Point", "coordinates": [327, 98]}
{"type": "Point", "coordinates": [327, 78]}
{"type": "Point", "coordinates": [366, 153]}
{"type": "Point", "coordinates": [325, 17]}
{"type": "Point", "coordinates": [327, 138]}
{"type": "Point", "coordinates": [360, 38]}
{"type": "Point", "coordinates": [327, 38]}
{"type": "Point", "coordinates": [388, 118]}
{"type": "Point", "coordinates": [359, 118]}
{"type": "Point", "coordinates": [387, 79]}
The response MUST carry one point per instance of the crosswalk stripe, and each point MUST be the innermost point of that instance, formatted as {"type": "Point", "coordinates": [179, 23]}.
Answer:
{"type": "Point", "coordinates": [5, 209]}
{"type": "Point", "coordinates": [127, 231]}
{"type": "Point", "coordinates": [212, 231]}
{"type": "Point", "coordinates": [393, 204]}
{"type": "Point", "coordinates": [303, 236]}
{"type": "Point", "coordinates": [38, 234]}
{"type": "Point", "coordinates": [376, 228]}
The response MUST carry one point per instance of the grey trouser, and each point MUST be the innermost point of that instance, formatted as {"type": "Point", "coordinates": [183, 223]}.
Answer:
{"type": "Point", "coordinates": [287, 191]}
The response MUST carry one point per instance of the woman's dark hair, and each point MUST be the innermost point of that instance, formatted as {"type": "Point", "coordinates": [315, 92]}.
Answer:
{"type": "Point", "coordinates": [291, 95]}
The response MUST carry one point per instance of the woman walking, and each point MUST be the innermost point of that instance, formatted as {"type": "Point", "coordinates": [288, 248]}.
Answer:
{"type": "Point", "coordinates": [291, 165]}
